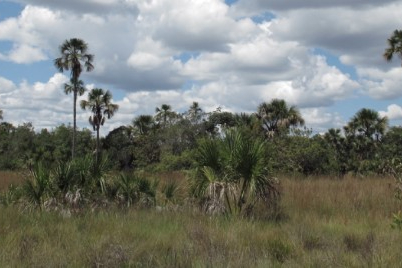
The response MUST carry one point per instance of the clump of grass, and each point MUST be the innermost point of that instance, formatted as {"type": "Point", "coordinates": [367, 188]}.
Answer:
{"type": "Point", "coordinates": [363, 245]}
{"type": "Point", "coordinates": [108, 255]}
{"type": "Point", "coordinates": [280, 250]}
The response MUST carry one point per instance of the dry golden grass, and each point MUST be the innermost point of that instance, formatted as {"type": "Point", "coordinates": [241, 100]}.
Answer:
{"type": "Point", "coordinates": [329, 223]}
{"type": "Point", "coordinates": [9, 177]}
{"type": "Point", "coordinates": [349, 197]}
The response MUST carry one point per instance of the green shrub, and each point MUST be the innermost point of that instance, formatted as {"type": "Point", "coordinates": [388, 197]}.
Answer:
{"type": "Point", "coordinates": [37, 186]}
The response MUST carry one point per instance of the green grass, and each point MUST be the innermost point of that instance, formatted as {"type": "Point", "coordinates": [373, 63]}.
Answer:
{"type": "Point", "coordinates": [326, 223]}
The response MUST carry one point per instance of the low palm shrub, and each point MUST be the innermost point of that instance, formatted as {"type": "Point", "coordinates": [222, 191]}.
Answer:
{"type": "Point", "coordinates": [232, 174]}
{"type": "Point", "coordinates": [37, 186]}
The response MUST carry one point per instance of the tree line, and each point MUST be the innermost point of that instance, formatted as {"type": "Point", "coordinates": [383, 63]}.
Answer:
{"type": "Point", "coordinates": [168, 140]}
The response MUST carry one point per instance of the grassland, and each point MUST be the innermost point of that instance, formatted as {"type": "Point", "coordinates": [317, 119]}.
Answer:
{"type": "Point", "coordinates": [325, 223]}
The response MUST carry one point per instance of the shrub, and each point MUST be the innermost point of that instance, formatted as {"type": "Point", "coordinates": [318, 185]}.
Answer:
{"type": "Point", "coordinates": [231, 174]}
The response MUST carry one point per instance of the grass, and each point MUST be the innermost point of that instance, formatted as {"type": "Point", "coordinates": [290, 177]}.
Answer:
{"type": "Point", "coordinates": [9, 177]}
{"type": "Point", "coordinates": [327, 223]}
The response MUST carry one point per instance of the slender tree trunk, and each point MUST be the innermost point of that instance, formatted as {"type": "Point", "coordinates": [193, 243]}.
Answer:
{"type": "Point", "coordinates": [74, 123]}
{"type": "Point", "coordinates": [97, 145]}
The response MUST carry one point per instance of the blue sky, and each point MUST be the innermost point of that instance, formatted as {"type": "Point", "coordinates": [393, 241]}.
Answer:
{"type": "Point", "coordinates": [229, 54]}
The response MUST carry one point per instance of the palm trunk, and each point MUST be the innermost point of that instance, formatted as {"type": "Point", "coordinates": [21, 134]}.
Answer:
{"type": "Point", "coordinates": [74, 123]}
{"type": "Point", "coordinates": [97, 145]}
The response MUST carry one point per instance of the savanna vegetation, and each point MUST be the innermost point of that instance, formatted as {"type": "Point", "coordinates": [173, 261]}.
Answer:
{"type": "Point", "coordinates": [184, 189]}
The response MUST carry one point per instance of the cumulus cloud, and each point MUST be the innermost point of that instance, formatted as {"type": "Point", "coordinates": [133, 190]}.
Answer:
{"type": "Point", "coordinates": [381, 84]}
{"type": "Point", "coordinates": [37, 103]}
{"type": "Point", "coordinates": [358, 38]}
{"type": "Point", "coordinates": [26, 54]}
{"type": "Point", "coordinates": [255, 7]}
{"type": "Point", "coordinates": [320, 119]}
{"type": "Point", "coordinates": [181, 51]}
{"type": "Point", "coordinates": [393, 112]}
{"type": "Point", "coordinates": [87, 6]}
{"type": "Point", "coordinates": [6, 86]}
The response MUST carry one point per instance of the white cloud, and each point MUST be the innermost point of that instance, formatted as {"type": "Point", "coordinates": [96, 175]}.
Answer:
{"type": "Point", "coordinates": [360, 35]}
{"type": "Point", "coordinates": [393, 112]}
{"type": "Point", "coordinates": [179, 51]}
{"type": "Point", "coordinates": [6, 86]}
{"type": "Point", "coordinates": [253, 7]}
{"type": "Point", "coordinates": [382, 84]}
{"type": "Point", "coordinates": [43, 104]}
{"type": "Point", "coordinates": [26, 54]}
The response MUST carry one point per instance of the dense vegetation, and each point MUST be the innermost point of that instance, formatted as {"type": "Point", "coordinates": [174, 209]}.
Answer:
{"type": "Point", "coordinates": [139, 196]}
{"type": "Point", "coordinates": [167, 141]}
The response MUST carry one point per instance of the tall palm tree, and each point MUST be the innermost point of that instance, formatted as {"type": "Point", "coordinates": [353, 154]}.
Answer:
{"type": "Point", "coordinates": [395, 46]}
{"type": "Point", "coordinates": [367, 123]}
{"type": "Point", "coordinates": [99, 102]}
{"type": "Point", "coordinates": [277, 116]}
{"type": "Point", "coordinates": [77, 88]}
{"type": "Point", "coordinates": [74, 58]}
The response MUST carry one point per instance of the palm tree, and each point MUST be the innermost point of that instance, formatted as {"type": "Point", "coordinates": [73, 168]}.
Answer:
{"type": "Point", "coordinates": [277, 116]}
{"type": "Point", "coordinates": [367, 123]}
{"type": "Point", "coordinates": [395, 46]}
{"type": "Point", "coordinates": [164, 113]}
{"type": "Point", "coordinates": [143, 123]}
{"type": "Point", "coordinates": [74, 57]}
{"type": "Point", "coordinates": [195, 112]}
{"type": "Point", "coordinates": [232, 174]}
{"type": "Point", "coordinates": [77, 88]}
{"type": "Point", "coordinates": [99, 102]}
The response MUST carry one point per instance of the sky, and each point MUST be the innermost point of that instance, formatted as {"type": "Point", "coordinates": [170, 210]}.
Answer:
{"type": "Point", "coordinates": [323, 56]}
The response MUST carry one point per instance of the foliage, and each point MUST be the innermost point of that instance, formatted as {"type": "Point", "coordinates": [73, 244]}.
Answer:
{"type": "Point", "coordinates": [99, 102]}
{"type": "Point", "coordinates": [394, 46]}
{"type": "Point", "coordinates": [394, 168]}
{"type": "Point", "coordinates": [134, 189]}
{"type": "Point", "coordinates": [277, 117]}
{"type": "Point", "coordinates": [120, 147]}
{"type": "Point", "coordinates": [37, 186]}
{"type": "Point", "coordinates": [165, 115]}
{"type": "Point", "coordinates": [302, 155]}
{"type": "Point", "coordinates": [231, 174]}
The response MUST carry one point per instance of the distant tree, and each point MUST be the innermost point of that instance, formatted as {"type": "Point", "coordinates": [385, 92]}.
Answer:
{"type": "Point", "coordinates": [219, 119]}
{"type": "Point", "coordinates": [120, 147]}
{"type": "Point", "coordinates": [164, 114]}
{"type": "Point", "coordinates": [364, 134]}
{"type": "Point", "coordinates": [277, 116]}
{"type": "Point", "coordinates": [1, 114]}
{"type": "Point", "coordinates": [143, 123]}
{"type": "Point", "coordinates": [194, 113]}
{"type": "Point", "coordinates": [74, 57]}
{"type": "Point", "coordinates": [394, 46]}
{"type": "Point", "coordinates": [391, 143]}
{"type": "Point", "coordinates": [367, 123]}
{"type": "Point", "coordinates": [334, 139]}
{"type": "Point", "coordinates": [99, 102]}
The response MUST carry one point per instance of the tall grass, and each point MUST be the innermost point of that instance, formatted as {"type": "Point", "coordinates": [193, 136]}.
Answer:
{"type": "Point", "coordinates": [8, 178]}
{"type": "Point", "coordinates": [328, 223]}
